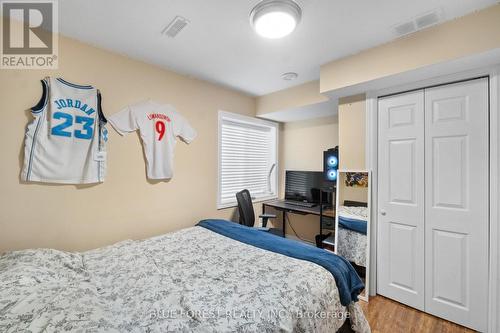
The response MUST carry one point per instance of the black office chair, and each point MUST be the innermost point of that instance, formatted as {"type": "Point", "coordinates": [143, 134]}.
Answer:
{"type": "Point", "coordinates": [247, 215]}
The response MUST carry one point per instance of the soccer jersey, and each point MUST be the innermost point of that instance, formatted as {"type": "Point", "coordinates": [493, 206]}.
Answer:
{"type": "Point", "coordinates": [159, 126]}
{"type": "Point", "coordinates": [65, 143]}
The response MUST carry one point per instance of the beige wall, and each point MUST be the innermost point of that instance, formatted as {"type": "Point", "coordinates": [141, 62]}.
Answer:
{"type": "Point", "coordinates": [298, 96]}
{"type": "Point", "coordinates": [302, 146]}
{"type": "Point", "coordinates": [474, 33]}
{"type": "Point", "coordinates": [352, 132]}
{"type": "Point", "coordinates": [126, 205]}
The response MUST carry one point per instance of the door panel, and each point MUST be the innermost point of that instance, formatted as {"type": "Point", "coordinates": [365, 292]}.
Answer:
{"type": "Point", "coordinates": [450, 279]}
{"type": "Point", "coordinates": [402, 241]}
{"type": "Point", "coordinates": [456, 207]}
{"type": "Point", "coordinates": [450, 184]}
{"type": "Point", "coordinates": [401, 199]}
{"type": "Point", "coordinates": [402, 171]}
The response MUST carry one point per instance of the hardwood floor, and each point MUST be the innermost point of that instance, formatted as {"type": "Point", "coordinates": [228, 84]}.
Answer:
{"type": "Point", "coordinates": [388, 316]}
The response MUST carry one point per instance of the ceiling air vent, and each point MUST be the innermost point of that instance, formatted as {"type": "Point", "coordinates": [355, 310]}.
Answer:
{"type": "Point", "coordinates": [427, 20]}
{"type": "Point", "coordinates": [418, 23]}
{"type": "Point", "coordinates": [174, 27]}
{"type": "Point", "coordinates": [405, 28]}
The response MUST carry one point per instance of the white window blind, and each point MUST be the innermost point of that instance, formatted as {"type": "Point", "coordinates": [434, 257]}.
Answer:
{"type": "Point", "coordinates": [247, 158]}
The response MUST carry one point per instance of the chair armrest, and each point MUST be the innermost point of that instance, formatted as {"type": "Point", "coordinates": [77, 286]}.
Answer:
{"type": "Point", "coordinates": [266, 217]}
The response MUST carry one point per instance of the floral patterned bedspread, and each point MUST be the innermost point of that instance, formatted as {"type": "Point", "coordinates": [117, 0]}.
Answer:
{"type": "Point", "coordinates": [352, 245]}
{"type": "Point", "coordinates": [192, 280]}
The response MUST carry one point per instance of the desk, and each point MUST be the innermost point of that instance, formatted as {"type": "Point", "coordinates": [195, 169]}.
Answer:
{"type": "Point", "coordinates": [281, 205]}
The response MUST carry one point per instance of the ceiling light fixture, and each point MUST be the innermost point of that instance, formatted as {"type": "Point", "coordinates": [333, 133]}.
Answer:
{"type": "Point", "coordinates": [275, 18]}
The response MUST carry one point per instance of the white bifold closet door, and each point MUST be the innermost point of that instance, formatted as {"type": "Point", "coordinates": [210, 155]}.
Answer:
{"type": "Point", "coordinates": [434, 169]}
{"type": "Point", "coordinates": [456, 202]}
{"type": "Point", "coordinates": [400, 255]}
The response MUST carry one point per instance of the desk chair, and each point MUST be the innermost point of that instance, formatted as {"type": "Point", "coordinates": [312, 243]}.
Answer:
{"type": "Point", "coordinates": [247, 215]}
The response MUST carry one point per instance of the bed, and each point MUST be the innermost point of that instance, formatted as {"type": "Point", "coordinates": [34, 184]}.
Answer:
{"type": "Point", "coordinates": [192, 280]}
{"type": "Point", "coordinates": [352, 239]}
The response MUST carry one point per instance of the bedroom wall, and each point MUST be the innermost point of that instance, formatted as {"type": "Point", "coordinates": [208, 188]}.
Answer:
{"type": "Point", "coordinates": [126, 205]}
{"type": "Point", "coordinates": [352, 132]}
{"type": "Point", "coordinates": [302, 146]}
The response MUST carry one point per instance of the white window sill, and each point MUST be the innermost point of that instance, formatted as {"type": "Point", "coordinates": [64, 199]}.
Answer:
{"type": "Point", "coordinates": [235, 203]}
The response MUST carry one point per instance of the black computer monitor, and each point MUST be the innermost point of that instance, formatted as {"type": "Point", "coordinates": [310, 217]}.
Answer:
{"type": "Point", "coordinates": [304, 186]}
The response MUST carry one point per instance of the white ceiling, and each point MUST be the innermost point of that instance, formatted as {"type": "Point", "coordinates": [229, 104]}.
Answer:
{"type": "Point", "coordinates": [220, 46]}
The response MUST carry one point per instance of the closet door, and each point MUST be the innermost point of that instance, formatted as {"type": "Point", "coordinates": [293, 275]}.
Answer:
{"type": "Point", "coordinates": [456, 196]}
{"type": "Point", "coordinates": [400, 259]}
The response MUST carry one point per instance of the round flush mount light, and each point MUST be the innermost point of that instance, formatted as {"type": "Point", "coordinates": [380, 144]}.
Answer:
{"type": "Point", "coordinates": [289, 76]}
{"type": "Point", "coordinates": [275, 18]}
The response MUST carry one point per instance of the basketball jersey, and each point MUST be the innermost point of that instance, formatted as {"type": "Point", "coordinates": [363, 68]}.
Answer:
{"type": "Point", "coordinates": [158, 125]}
{"type": "Point", "coordinates": [65, 143]}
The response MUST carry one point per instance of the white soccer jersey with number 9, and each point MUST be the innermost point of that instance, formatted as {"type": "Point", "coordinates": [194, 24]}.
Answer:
{"type": "Point", "coordinates": [158, 125]}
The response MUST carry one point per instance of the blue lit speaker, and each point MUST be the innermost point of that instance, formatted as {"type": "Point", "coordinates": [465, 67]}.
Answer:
{"type": "Point", "coordinates": [331, 164]}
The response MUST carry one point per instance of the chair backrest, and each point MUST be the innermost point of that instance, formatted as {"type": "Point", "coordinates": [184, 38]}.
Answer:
{"type": "Point", "coordinates": [245, 208]}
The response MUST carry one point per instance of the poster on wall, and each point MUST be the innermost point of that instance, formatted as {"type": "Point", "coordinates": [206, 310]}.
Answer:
{"type": "Point", "coordinates": [356, 179]}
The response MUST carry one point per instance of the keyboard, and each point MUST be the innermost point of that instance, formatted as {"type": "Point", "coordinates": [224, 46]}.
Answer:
{"type": "Point", "coordinates": [300, 203]}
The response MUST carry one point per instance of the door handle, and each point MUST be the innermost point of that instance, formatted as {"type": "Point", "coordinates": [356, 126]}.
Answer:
{"type": "Point", "coordinates": [383, 212]}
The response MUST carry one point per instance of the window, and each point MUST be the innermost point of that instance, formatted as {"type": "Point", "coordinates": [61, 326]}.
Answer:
{"type": "Point", "coordinates": [247, 158]}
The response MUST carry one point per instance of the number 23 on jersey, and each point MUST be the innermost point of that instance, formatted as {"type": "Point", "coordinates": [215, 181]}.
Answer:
{"type": "Point", "coordinates": [67, 127]}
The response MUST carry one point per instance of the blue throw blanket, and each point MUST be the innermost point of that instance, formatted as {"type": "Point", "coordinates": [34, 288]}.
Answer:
{"type": "Point", "coordinates": [353, 224]}
{"type": "Point", "coordinates": [348, 281]}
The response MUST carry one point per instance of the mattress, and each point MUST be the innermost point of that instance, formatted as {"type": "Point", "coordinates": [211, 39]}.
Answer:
{"type": "Point", "coordinates": [354, 212]}
{"type": "Point", "coordinates": [192, 280]}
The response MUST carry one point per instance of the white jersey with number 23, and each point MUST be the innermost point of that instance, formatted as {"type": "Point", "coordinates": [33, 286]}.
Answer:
{"type": "Point", "coordinates": [65, 143]}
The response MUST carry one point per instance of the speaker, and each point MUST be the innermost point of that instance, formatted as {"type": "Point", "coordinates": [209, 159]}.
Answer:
{"type": "Point", "coordinates": [331, 164]}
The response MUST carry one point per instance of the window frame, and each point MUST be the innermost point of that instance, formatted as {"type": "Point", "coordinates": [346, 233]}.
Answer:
{"type": "Point", "coordinates": [239, 118]}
